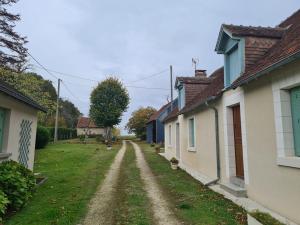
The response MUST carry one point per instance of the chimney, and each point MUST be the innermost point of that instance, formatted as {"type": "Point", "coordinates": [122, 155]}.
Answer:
{"type": "Point", "coordinates": [200, 73]}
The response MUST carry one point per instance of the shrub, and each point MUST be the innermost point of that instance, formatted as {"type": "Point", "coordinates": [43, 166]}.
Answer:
{"type": "Point", "coordinates": [3, 204]}
{"type": "Point", "coordinates": [42, 137]}
{"type": "Point", "coordinates": [62, 133]}
{"type": "Point", "coordinates": [82, 138]}
{"type": "Point", "coordinates": [17, 183]}
{"type": "Point", "coordinates": [174, 161]}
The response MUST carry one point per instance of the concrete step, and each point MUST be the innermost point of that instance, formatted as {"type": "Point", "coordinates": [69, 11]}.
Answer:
{"type": "Point", "coordinates": [234, 190]}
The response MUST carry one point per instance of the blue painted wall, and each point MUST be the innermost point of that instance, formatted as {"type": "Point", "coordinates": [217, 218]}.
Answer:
{"type": "Point", "coordinates": [160, 131]}
{"type": "Point", "coordinates": [149, 133]}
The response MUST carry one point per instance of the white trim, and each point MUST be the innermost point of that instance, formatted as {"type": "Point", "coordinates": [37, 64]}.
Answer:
{"type": "Point", "coordinates": [283, 120]}
{"type": "Point", "coordinates": [191, 148]}
{"type": "Point", "coordinates": [234, 99]}
{"type": "Point", "coordinates": [170, 135]}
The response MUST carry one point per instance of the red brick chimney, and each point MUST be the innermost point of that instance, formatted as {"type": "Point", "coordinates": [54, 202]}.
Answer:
{"type": "Point", "coordinates": [200, 73]}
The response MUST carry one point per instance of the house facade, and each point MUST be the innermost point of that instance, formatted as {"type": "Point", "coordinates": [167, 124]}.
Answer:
{"type": "Point", "coordinates": [155, 127]}
{"type": "Point", "coordinates": [18, 123]}
{"type": "Point", "coordinates": [86, 126]}
{"type": "Point", "coordinates": [242, 132]}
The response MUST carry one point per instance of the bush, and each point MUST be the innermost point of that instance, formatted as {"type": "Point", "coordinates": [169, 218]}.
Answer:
{"type": "Point", "coordinates": [3, 204]}
{"type": "Point", "coordinates": [82, 138]}
{"type": "Point", "coordinates": [42, 137]}
{"type": "Point", "coordinates": [17, 183]}
{"type": "Point", "coordinates": [100, 138]}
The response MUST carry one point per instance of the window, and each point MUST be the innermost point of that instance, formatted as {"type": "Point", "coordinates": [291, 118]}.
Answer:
{"type": "Point", "coordinates": [170, 134]}
{"type": "Point", "coordinates": [295, 109]}
{"type": "Point", "coordinates": [191, 132]}
{"type": "Point", "coordinates": [2, 122]}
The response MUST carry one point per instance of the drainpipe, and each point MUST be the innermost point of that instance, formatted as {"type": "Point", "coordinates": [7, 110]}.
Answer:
{"type": "Point", "coordinates": [217, 144]}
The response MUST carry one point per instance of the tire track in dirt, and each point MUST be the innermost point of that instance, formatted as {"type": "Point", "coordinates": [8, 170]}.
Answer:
{"type": "Point", "coordinates": [163, 215]}
{"type": "Point", "coordinates": [100, 212]}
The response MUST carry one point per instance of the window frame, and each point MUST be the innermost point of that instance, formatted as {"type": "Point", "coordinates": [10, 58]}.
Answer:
{"type": "Point", "coordinates": [190, 147]}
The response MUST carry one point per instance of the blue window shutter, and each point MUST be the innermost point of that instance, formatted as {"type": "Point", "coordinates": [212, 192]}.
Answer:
{"type": "Point", "coordinates": [295, 106]}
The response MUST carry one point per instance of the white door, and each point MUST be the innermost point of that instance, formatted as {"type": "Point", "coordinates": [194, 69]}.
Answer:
{"type": "Point", "coordinates": [177, 141]}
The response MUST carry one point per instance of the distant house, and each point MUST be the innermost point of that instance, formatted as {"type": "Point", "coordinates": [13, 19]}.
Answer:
{"type": "Point", "coordinates": [155, 127]}
{"type": "Point", "coordinates": [86, 126]}
{"type": "Point", "coordinates": [18, 123]}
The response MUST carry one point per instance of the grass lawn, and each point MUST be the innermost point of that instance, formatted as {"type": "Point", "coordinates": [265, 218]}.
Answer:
{"type": "Point", "coordinates": [132, 206]}
{"type": "Point", "coordinates": [194, 203]}
{"type": "Point", "coordinates": [74, 171]}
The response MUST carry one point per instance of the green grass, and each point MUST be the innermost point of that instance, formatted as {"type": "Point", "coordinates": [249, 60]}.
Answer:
{"type": "Point", "coordinates": [265, 218]}
{"type": "Point", "coordinates": [194, 203]}
{"type": "Point", "coordinates": [132, 204]}
{"type": "Point", "coordinates": [74, 171]}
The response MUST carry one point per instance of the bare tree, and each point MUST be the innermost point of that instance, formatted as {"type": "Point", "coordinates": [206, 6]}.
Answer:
{"type": "Point", "coordinates": [12, 45]}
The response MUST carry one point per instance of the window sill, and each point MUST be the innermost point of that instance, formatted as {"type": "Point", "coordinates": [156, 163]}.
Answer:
{"type": "Point", "coordinates": [289, 161]}
{"type": "Point", "coordinates": [191, 149]}
{"type": "Point", "coordinates": [4, 156]}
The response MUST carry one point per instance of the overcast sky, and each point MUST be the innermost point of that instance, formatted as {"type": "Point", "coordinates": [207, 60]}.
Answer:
{"type": "Point", "coordinates": [132, 39]}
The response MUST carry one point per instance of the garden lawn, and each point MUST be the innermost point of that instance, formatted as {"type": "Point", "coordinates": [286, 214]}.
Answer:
{"type": "Point", "coordinates": [132, 205]}
{"type": "Point", "coordinates": [74, 171]}
{"type": "Point", "coordinates": [194, 203]}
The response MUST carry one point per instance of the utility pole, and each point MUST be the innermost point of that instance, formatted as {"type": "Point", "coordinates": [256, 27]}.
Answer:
{"type": "Point", "coordinates": [57, 108]}
{"type": "Point", "coordinates": [171, 80]}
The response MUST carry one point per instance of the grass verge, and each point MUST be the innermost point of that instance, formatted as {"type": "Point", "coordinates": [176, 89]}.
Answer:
{"type": "Point", "coordinates": [265, 218]}
{"type": "Point", "coordinates": [131, 203]}
{"type": "Point", "coordinates": [194, 203]}
{"type": "Point", "coordinates": [74, 171]}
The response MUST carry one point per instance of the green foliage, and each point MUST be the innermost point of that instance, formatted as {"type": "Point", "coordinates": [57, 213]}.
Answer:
{"type": "Point", "coordinates": [42, 137]}
{"type": "Point", "coordinates": [69, 112]}
{"type": "Point", "coordinates": [108, 102]}
{"type": "Point", "coordinates": [62, 133]}
{"type": "Point", "coordinates": [138, 121]}
{"type": "Point", "coordinates": [3, 204]}
{"type": "Point", "coordinates": [17, 182]}
{"type": "Point", "coordinates": [82, 138]}
{"type": "Point", "coordinates": [265, 218]}
{"type": "Point", "coordinates": [100, 138]}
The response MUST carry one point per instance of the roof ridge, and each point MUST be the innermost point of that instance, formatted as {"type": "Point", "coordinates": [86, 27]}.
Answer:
{"type": "Point", "coordinates": [260, 27]}
{"type": "Point", "coordinates": [289, 17]}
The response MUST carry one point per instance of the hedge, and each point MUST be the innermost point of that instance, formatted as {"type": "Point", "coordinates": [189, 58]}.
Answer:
{"type": "Point", "coordinates": [42, 137]}
{"type": "Point", "coordinates": [62, 133]}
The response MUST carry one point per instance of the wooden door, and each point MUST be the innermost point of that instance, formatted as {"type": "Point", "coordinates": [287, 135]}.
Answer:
{"type": "Point", "coordinates": [238, 146]}
{"type": "Point", "coordinates": [177, 141]}
{"type": "Point", "coordinates": [295, 105]}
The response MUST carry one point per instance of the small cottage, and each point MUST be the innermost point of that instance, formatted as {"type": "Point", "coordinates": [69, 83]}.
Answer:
{"type": "Point", "coordinates": [18, 123]}
{"type": "Point", "coordinates": [86, 126]}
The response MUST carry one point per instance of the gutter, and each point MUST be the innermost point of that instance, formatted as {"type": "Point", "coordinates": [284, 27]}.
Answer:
{"type": "Point", "coordinates": [217, 144]}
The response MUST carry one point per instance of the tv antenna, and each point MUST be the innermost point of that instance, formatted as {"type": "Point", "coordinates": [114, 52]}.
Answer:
{"type": "Point", "coordinates": [195, 62]}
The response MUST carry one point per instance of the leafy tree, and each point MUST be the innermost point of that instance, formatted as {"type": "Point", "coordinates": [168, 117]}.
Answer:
{"type": "Point", "coordinates": [69, 112]}
{"type": "Point", "coordinates": [13, 53]}
{"type": "Point", "coordinates": [137, 122]}
{"type": "Point", "coordinates": [108, 102]}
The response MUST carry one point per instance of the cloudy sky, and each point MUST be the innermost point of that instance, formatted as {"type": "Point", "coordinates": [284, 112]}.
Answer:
{"type": "Point", "coordinates": [134, 39]}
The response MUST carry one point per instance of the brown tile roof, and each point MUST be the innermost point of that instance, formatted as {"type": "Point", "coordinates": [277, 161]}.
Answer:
{"type": "Point", "coordinates": [287, 46]}
{"type": "Point", "coordinates": [157, 113]}
{"type": "Point", "coordinates": [193, 80]}
{"type": "Point", "coordinates": [172, 116]}
{"type": "Point", "coordinates": [86, 122]}
{"type": "Point", "coordinates": [242, 31]}
{"type": "Point", "coordinates": [214, 89]}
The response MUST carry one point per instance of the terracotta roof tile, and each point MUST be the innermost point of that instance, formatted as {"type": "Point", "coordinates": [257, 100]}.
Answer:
{"type": "Point", "coordinates": [157, 113]}
{"type": "Point", "coordinates": [287, 46]}
{"type": "Point", "coordinates": [86, 122]}
{"type": "Point", "coordinates": [214, 89]}
{"type": "Point", "coordinates": [242, 31]}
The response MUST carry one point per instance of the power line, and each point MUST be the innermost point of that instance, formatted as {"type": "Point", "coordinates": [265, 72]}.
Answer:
{"type": "Point", "coordinates": [74, 96]}
{"type": "Point", "coordinates": [150, 76]}
{"type": "Point", "coordinates": [44, 68]}
{"type": "Point", "coordinates": [129, 86]}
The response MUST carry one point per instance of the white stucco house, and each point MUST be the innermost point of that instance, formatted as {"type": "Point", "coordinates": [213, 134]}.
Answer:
{"type": "Point", "coordinates": [18, 123]}
{"type": "Point", "coordinates": [86, 126]}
